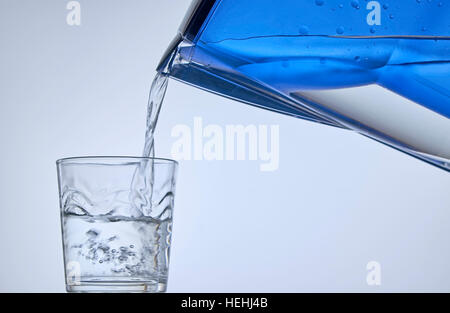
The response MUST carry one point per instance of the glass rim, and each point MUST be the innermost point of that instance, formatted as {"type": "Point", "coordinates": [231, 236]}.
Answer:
{"type": "Point", "coordinates": [97, 159]}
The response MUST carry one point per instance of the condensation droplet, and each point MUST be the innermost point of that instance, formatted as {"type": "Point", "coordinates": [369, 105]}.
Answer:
{"type": "Point", "coordinates": [340, 30]}
{"type": "Point", "coordinates": [320, 2]}
{"type": "Point", "coordinates": [355, 4]}
{"type": "Point", "coordinates": [303, 30]}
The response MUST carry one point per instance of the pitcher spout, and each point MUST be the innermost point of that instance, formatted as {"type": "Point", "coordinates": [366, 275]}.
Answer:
{"type": "Point", "coordinates": [194, 19]}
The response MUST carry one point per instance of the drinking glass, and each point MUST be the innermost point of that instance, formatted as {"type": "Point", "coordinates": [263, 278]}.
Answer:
{"type": "Point", "coordinates": [116, 218]}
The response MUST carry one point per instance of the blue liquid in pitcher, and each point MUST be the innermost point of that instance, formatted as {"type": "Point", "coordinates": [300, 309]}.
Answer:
{"type": "Point", "coordinates": [324, 61]}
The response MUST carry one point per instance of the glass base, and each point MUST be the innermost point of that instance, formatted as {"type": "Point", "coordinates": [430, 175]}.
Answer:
{"type": "Point", "coordinates": [117, 286]}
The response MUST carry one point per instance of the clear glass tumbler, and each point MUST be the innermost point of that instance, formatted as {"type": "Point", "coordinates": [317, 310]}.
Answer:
{"type": "Point", "coordinates": [116, 218]}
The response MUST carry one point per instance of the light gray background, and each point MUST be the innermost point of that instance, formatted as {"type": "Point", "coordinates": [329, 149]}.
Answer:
{"type": "Point", "coordinates": [338, 200]}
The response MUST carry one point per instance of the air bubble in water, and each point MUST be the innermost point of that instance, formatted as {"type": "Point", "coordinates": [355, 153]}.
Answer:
{"type": "Point", "coordinates": [92, 233]}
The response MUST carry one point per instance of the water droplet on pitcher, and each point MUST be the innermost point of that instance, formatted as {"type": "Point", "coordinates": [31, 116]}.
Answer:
{"type": "Point", "coordinates": [385, 6]}
{"type": "Point", "coordinates": [355, 4]}
{"type": "Point", "coordinates": [372, 30]}
{"type": "Point", "coordinates": [340, 30]}
{"type": "Point", "coordinates": [357, 58]}
{"type": "Point", "coordinates": [341, 5]}
{"type": "Point", "coordinates": [391, 16]}
{"type": "Point", "coordinates": [320, 2]}
{"type": "Point", "coordinates": [303, 30]}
